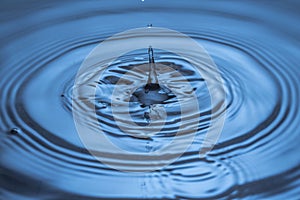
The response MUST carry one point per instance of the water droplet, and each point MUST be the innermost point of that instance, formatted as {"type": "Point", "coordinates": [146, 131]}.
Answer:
{"type": "Point", "coordinates": [15, 131]}
{"type": "Point", "coordinates": [62, 95]}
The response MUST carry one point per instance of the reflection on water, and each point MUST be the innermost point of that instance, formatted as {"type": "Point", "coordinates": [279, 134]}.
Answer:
{"type": "Point", "coordinates": [254, 45]}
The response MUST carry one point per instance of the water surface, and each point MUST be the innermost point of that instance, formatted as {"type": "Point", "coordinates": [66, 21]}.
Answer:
{"type": "Point", "coordinates": [255, 47]}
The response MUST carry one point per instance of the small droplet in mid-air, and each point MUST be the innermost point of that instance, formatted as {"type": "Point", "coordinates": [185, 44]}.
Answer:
{"type": "Point", "coordinates": [15, 131]}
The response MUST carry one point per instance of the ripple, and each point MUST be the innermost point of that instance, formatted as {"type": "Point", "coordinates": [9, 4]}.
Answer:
{"type": "Point", "coordinates": [42, 155]}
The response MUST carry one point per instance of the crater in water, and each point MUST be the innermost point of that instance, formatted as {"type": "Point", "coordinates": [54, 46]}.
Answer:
{"type": "Point", "coordinates": [151, 94]}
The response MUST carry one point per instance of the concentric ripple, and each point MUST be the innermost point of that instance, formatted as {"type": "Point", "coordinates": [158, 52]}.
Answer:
{"type": "Point", "coordinates": [255, 47]}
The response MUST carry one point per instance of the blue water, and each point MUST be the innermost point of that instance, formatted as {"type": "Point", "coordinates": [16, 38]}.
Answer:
{"type": "Point", "coordinates": [255, 46]}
